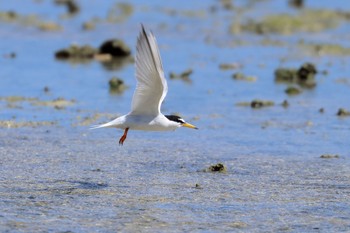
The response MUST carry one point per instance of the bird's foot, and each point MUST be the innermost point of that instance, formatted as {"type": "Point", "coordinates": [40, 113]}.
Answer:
{"type": "Point", "coordinates": [122, 139]}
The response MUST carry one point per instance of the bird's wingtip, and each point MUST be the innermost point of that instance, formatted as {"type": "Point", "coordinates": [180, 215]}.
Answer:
{"type": "Point", "coordinates": [143, 28]}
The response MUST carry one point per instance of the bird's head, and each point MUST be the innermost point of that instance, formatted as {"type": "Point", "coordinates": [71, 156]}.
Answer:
{"type": "Point", "coordinates": [181, 122]}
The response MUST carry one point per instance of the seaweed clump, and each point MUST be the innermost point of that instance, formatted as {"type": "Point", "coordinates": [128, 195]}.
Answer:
{"type": "Point", "coordinates": [304, 76]}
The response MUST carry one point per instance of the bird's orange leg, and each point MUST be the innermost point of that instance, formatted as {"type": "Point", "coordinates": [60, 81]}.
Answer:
{"type": "Point", "coordinates": [122, 139]}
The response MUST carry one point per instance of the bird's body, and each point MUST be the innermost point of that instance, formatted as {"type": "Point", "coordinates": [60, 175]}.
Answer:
{"type": "Point", "coordinates": [142, 122]}
{"type": "Point", "coordinates": [149, 94]}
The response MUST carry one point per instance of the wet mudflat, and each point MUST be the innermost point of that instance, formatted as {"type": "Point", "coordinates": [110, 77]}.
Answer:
{"type": "Point", "coordinates": [75, 182]}
{"type": "Point", "coordinates": [271, 103]}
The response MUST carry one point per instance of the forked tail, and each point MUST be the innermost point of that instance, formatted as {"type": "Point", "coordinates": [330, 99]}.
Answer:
{"type": "Point", "coordinates": [101, 126]}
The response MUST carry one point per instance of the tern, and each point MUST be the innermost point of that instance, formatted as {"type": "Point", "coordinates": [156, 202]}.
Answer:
{"type": "Point", "coordinates": [151, 89]}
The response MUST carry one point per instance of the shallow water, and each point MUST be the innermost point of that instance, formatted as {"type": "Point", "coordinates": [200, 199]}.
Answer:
{"type": "Point", "coordinates": [60, 177]}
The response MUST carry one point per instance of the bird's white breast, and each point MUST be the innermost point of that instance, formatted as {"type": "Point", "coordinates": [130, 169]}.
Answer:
{"type": "Point", "coordinates": [146, 123]}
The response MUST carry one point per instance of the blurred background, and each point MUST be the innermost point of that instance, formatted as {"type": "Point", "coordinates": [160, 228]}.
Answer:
{"type": "Point", "coordinates": [219, 57]}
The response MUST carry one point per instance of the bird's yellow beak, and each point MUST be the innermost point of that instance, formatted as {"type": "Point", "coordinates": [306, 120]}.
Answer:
{"type": "Point", "coordinates": [189, 126]}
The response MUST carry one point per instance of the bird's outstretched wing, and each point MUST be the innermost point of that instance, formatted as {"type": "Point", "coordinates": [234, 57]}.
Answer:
{"type": "Point", "coordinates": [151, 87]}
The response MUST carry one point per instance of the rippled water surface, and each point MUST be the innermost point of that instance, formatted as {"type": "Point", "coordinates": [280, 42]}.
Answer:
{"type": "Point", "coordinates": [287, 167]}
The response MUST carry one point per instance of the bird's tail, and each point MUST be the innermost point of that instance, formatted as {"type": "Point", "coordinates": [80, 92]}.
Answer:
{"type": "Point", "coordinates": [101, 126]}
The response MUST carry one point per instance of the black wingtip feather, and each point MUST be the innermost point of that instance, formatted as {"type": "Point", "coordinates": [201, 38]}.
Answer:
{"type": "Point", "coordinates": [149, 44]}
{"type": "Point", "coordinates": [143, 29]}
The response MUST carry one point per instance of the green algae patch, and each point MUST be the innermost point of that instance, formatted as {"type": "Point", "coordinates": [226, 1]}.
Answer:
{"type": "Point", "coordinates": [304, 75]}
{"type": "Point", "coordinates": [257, 103]}
{"type": "Point", "coordinates": [261, 103]}
{"type": "Point", "coordinates": [59, 103]}
{"type": "Point", "coordinates": [308, 20]}
{"type": "Point", "coordinates": [20, 124]}
{"type": "Point", "coordinates": [28, 21]}
{"type": "Point", "coordinates": [120, 12]}
{"type": "Point", "coordinates": [242, 77]}
{"type": "Point", "coordinates": [76, 52]}
{"type": "Point", "coordinates": [292, 91]}
{"type": "Point", "coordinates": [320, 49]}
{"type": "Point", "coordinates": [229, 66]}
{"type": "Point", "coordinates": [15, 98]}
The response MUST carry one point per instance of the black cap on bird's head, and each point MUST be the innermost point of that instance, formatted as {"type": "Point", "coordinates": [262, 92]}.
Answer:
{"type": "Point", "coordinates": [181, 121]}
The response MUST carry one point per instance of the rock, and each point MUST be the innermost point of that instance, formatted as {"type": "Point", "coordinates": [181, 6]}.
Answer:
{"type": "Point", "coordinates": [329, 156]}
{"type": "Point", "coordinates": [261, 103]}
{"type": "Point", "coordinates": [304, 76]}
{"type": "Point", "coordinates": [307, 72]}
{"type": "Point", "coordinates": [343, 112]}
{"type": "Point", "coordinates": [71, 5]}
{"type": "Point", "coordinates": [217, 168]}
{"type": "Point", "coordinates": [285, 104]}
{"type": "Point", "coordinates": [296, 3]}
{"type": "Point", "coordinates": [116, 48]}
{"type": "Point", "coordinates": [116, 85]}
